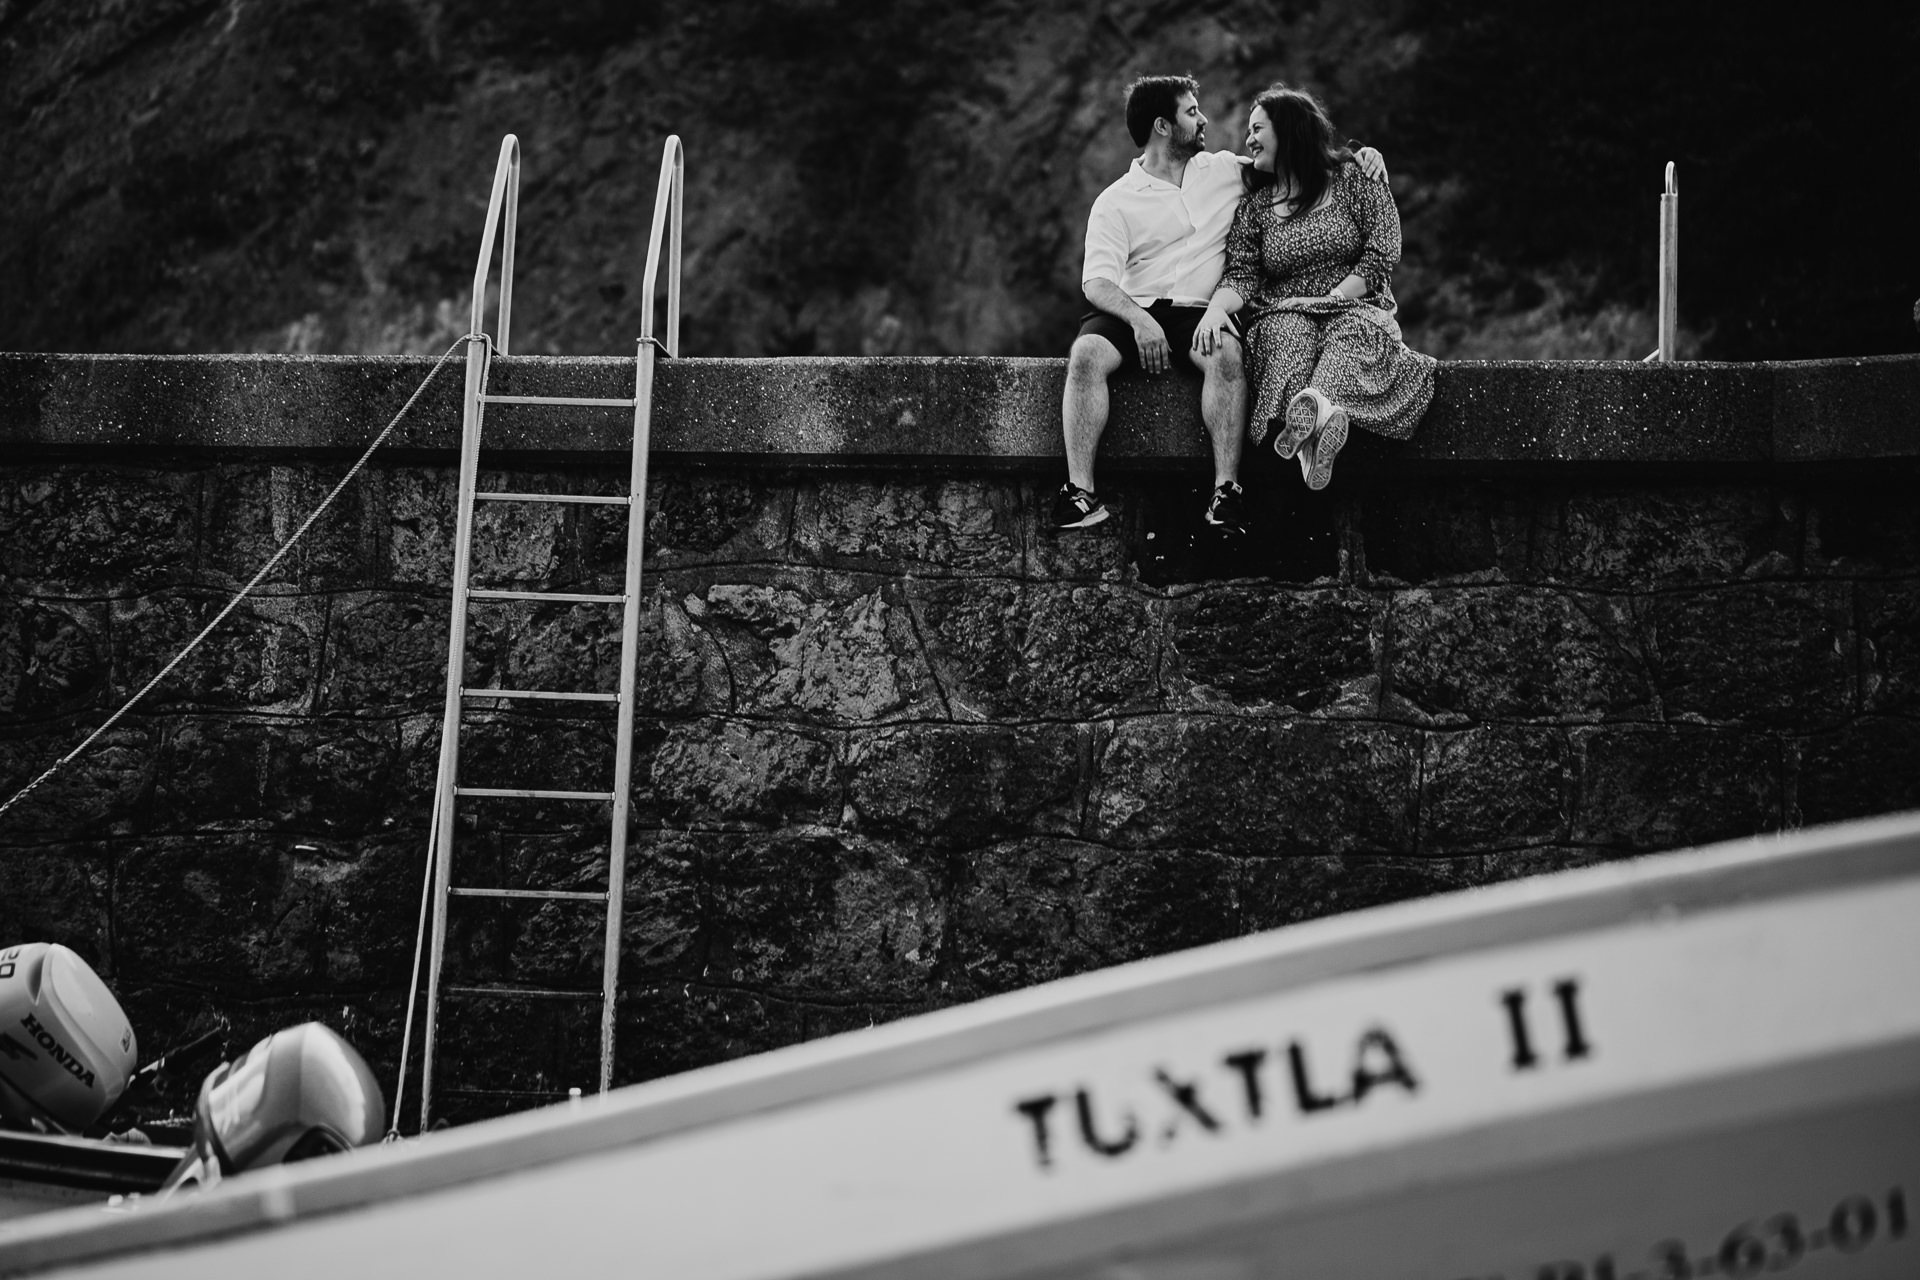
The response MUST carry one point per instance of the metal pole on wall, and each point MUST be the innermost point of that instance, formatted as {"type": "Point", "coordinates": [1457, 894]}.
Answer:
{"type": "Point", "coordinates": [1669, 266]}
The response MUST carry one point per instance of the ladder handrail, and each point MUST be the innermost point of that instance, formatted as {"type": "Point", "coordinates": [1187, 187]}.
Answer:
{"type": "Point", "coordinates": [506, 189]}
{"type": "Point", "coordinates": [667, 200]}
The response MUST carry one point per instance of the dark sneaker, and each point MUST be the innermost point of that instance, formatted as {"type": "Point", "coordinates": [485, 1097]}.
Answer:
{"type": "Point", "coordinates": [1225, 511]}
{"type": "Point", "coordinates": [1076, 508]}
{"type": "Point", "coordinates": [1326, 446]}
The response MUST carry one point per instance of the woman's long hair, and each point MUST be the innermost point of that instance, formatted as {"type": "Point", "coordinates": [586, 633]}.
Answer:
{"type": "Point", "coordinates": [1304, 149]}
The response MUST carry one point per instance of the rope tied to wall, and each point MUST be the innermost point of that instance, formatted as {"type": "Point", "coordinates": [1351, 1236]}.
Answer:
{"type": "Point", "coordinates": [256, 580]}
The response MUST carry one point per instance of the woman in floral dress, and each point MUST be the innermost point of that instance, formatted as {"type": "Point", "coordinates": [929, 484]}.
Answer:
{"type": "Point", "coordinates": [1310, 261]}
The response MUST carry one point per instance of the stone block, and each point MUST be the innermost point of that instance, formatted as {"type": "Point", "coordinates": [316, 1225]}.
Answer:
{"type": "Point", "coordinates": [247, 916]}
{"type": "Point", "coordinates": [823, 647]}
{"type": "Point", "coordinates": [1633, 536]}
{"type": "Point", "coordinates": [701, 518]}
{"type": "Point", "coordinates": [1256, 646]}
{"type": "Point", "coordinates": [1779, 654]}
{"type": "Point", "coordinates": [1869, 766]}
{"type": "Point", "coordinates": [498, 1056]}
{"type": "Point", "coordinates": [105, 789]}
{"type": "Point", "coordinates": [262, 656]}
{"type": "Point", "coordinates": [910, 524]}
{"type": "Point", "coordinates": [1543, 860]}
{"type": "Point", "coordinates": [962, 786]}
{"type": "Point", "coordinates": [1033, 910]}
{"type": "Point", "coordinates": [1276, 892]}
{"type": "Point", "coordinates": [665, 912]}
{"type": "Point", "coordinates": [735, 773]}
{"type": "Point", "coordinates": [1011, 650]}
{"type": "Point", "coordinates": [1890, 645]}
{"type": "Point", "coordinates": [679, 669]}
{"type": "Point", "coordinates": [1293, 534]}
{"type": "Point", "coordinates": [1864, 524]}
{"type": "Point", "coordinates": [1514, 653]}
{"type": "Point", "coordinates": [667, 1028]}
{"type": "Point", "coordinates": [522, 545]}
{"type": "Point", "coordinates": [1250, 786]}
{"type": "Point", "coordinates": [1495, 787]}
{"type": "Point", "coordinates": [422, 513]}
{"type": "Point", "coordinates": [98, 530]}
{"type": "Point", "coordinates": [820, 915]}
{"type": "Point", "coordinates": [570, 648]}
{"type": "Point", "coordinates": [1668, 787]}
{"type": "Point", "coordinates": [60, 893]}
{"type": "Point", "coordinates": [367, 900]}
{"type": "Point", "coordinates": [252, 511]}
{"type": "Point", "coordinates": [557, 946]}
{"type": "Point", "coordinates": [53, 657]}
{"type": "Point", "coordinates": [1441, 531]}
{"type": "Point", "coordinates": [1104, 553]}
{"type": "Point", "coordinates": [334, 777]}
{"type": "Point", "coordinates": [386, 653]}
{"type": "Point", "coordinates": [537, 750]}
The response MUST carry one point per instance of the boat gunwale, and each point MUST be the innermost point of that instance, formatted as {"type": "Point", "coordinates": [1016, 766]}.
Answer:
{"type": "Point", "coordinates": [1658, 886]}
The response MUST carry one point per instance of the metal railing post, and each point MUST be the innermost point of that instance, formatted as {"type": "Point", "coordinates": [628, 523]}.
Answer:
{"type": "Point", "coordinates": [1669, 321]}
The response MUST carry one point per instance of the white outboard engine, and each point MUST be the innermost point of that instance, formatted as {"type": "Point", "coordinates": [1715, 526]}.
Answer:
{"type": "Point", "coordinates": [299, 1093]}
{"type": "Point", "coordinates": [66, 1047]}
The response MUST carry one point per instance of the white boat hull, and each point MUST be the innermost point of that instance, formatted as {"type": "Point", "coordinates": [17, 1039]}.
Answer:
{"type": "Point", "coordinates": [1697, 1065]}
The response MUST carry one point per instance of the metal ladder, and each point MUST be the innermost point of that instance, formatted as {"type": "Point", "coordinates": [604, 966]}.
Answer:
{"type": "Point", "coordinates": [447, 790]}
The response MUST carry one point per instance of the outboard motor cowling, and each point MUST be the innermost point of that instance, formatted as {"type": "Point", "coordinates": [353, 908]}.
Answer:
{"type": "Point", "coordinates": [299, 1093]}
{"type": "Point", "coordinates": [66, 1047]}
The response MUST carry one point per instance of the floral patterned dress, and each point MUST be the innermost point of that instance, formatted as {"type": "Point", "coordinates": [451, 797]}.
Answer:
{"type": "Point", "coordinates": [1297, 337]}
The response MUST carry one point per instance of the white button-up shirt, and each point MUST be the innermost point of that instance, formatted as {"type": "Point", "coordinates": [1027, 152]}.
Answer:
{"type": "Point", "coordinates": [1156, 240]}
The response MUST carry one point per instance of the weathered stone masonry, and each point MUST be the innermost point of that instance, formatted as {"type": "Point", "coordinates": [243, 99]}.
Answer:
{"type": "Point", "coordinates": [898, 747]}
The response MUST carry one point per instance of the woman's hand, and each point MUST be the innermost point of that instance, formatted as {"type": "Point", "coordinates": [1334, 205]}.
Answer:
{"type": "Point", "coordinates": [1211, 333]}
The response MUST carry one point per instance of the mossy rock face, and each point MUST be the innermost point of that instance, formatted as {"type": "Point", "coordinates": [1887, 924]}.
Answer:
{"type": "Point", "coordinates": [308, 177]}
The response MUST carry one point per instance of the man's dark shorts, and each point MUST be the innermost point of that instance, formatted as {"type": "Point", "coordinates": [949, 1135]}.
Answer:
{"type": "Point", "coordinates": [1178, 322]}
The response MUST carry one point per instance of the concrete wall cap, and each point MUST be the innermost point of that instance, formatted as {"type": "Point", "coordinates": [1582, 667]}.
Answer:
{"type": "Point", "coordinates": [973, 412]}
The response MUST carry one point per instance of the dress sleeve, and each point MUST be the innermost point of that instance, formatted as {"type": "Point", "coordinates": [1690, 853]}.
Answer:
{"type": "Point", "coordinates": [1106, 255]}
{"type": "Point", "coordinates": [1378, 218]}
{"type": "Point", "coordinates": [1243, 253]}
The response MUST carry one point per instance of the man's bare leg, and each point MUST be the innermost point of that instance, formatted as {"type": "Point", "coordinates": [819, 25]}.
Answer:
{"type": "Point", "coordinates": [1083, 406]}
{"type": "Point", "coordinates": [1223, 407]}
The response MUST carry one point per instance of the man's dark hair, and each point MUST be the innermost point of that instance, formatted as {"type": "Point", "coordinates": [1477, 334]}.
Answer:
{"type": "Point", "coordinates": [1152, 98]}
{"type": "Point", "coordinates": [1304, 149]}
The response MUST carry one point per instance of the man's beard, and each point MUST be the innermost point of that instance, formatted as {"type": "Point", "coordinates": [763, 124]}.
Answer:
{"type": "Point", "coordinates": [1188, 147]}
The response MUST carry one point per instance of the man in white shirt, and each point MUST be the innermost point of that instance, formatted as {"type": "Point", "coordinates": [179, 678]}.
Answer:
{"type": "Point", "coordinates": [1156, 247]}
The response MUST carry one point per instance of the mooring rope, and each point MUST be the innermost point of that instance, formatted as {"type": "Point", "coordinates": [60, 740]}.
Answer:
{"type": "Point", "coordinates": [247, 590]}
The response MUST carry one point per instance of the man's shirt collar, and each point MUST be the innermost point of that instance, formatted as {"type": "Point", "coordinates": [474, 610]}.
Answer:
{"type": "Point", "coordinates": [1138, 179]}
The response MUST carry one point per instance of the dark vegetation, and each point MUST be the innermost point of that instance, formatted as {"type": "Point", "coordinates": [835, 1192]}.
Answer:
{"type": "Point", "coordinates": [912, 177]}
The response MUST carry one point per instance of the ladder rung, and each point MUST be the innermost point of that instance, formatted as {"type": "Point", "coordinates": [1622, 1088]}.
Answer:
{"type": "Point", "coordinates": [564, 597]}
{"type": "Point", "coordinates": [552, 695]}
{"type": "Point", "coordinates": [609, 500]}
{"type": "Point", "coordinates": [590, 402]}
{"type": "Point", "coordinates": [560, 895]}
{"type": "Point", "coordinates": [524, 993]}
{"type": "Point", "coordinates": [531, 793]}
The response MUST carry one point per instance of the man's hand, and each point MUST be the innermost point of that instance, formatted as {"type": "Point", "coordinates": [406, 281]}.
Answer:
{"type": "Point", "coordinates": [1155, 355]}
{"type": "Point", "coordinates": [1210, 334]}
{"type": "Point", "coordinates": [1371, 164]}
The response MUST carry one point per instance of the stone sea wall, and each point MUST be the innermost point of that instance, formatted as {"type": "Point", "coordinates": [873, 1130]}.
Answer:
{"type": "Point", "coordinates": [897, 746]}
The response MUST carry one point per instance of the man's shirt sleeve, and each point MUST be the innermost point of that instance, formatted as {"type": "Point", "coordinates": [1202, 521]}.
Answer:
{"type": "Point", "coordinates": [1106, 257]}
